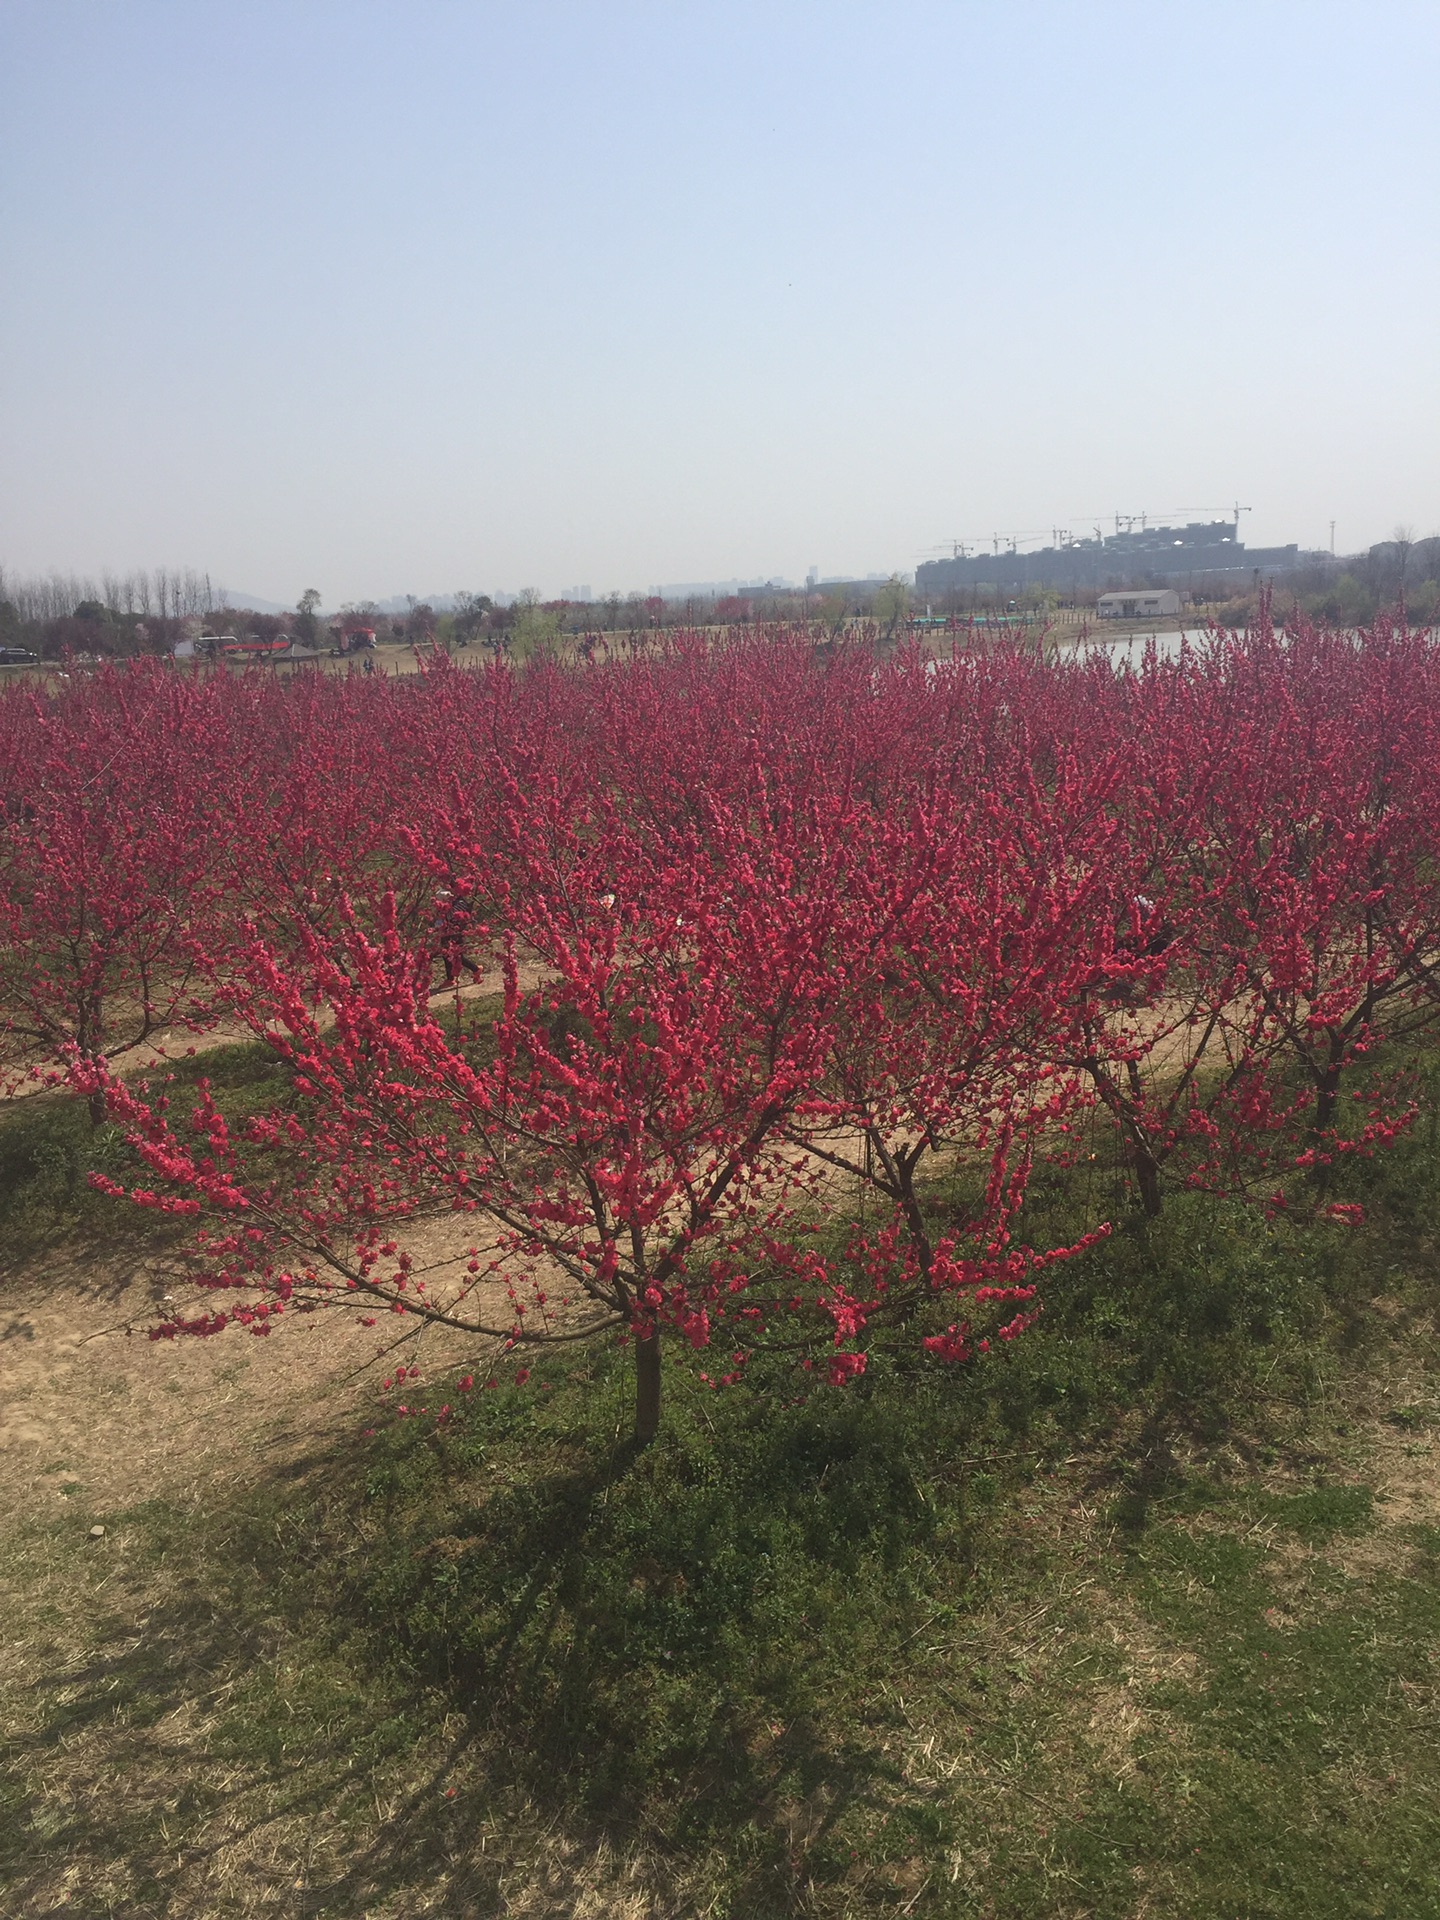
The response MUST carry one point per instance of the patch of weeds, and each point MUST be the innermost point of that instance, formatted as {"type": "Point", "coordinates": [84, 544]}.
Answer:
{"type": "Point", "coordinates": [646, 1619]}
{"type": "Point", "coordinates": [1282, 1721]}
{"type": "Point", "coordinates": [233, 1068]}
{"type": "Point", "coordinates": [1318, 1514]}
{"type": "Point", "coordinates": [48, 1150]}
{"type": "Point", "coordinates": [1409, 1419]}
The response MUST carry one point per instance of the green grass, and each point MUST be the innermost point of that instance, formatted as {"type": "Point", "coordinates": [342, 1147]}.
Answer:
{"type": "Point", "coordinates": [823, 1658]}
{"type": "Point", "coordinates": [1121, 1622]}
{"type": "Point", "coordinates": [49, 1147]}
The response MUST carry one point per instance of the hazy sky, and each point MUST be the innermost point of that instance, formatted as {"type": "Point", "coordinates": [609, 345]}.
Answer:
{"type": "Point", "coordinates": [416, 296]}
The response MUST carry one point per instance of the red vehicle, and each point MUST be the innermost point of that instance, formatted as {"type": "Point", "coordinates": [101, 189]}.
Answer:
{"type": "Point", "coordinates": [355, 640]}
{"type": "Point", "coordinates": [251, 646]}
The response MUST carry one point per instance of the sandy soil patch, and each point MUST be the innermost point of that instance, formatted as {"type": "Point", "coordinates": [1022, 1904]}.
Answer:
{"type": "Point", "coordinates": [94, 1412]}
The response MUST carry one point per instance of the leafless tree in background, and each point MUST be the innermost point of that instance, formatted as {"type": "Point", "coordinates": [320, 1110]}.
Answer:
{"type": "Point", "coordinates": [172, 593]}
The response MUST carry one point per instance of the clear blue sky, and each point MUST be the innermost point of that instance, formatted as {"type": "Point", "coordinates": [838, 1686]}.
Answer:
{"type": "Point", "coordinates": [426, 295]}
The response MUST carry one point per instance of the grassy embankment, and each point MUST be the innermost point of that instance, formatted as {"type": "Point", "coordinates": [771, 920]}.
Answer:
{"type": "Point", "coordinates": [1140, 1617]}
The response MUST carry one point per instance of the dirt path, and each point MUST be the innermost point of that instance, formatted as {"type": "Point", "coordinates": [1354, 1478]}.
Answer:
{"type": "Point", "coordinates": [95, 1414]}
{"type": "Point", "coordinates": [26, 1078]}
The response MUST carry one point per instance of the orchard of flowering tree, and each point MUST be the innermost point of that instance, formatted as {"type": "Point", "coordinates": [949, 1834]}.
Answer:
{"type": "Point", "coordinates": [724, 999]}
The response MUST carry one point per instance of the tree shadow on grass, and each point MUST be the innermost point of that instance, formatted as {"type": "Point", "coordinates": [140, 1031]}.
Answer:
{"type": "Point", "coordinates": [632, 1658]}
{"type": "Point", "coordinates": [667, 1651]}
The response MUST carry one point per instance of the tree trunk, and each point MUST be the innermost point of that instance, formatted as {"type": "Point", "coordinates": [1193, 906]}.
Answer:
{"type": "Point", "coordinates": [647, 1388]}
{"type": "Point", "coordinates": [1327, 1098]}
{"type": "Point", "coordinates": [1147, 1177]}
{"type": "Point", "coordinates": [1147, 1173]}
{"type": "Point", "coordinates": [90, 1038]}
{"type": "Point", "coordinates": [1135, 1146]}
{"type": "Point", "coordinates": [919, 1238]}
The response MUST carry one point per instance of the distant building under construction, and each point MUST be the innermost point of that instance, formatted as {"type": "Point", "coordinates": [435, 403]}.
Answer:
{"type": "Point", "coordinates": [1203, 552]}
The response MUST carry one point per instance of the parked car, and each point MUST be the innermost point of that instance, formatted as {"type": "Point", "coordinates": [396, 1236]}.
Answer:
{"type": "Point", "coordinates": [17, 657]}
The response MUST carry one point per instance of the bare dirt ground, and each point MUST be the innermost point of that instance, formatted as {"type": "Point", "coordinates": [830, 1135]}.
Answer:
{"type": "Point", "coordinates": [96, 1421]}
{"type": "Point", "coordinates": [92, 1410]}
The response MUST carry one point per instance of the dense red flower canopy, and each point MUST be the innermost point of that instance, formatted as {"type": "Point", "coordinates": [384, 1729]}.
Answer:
{"type": "Point", "coordinates": [601, 986]}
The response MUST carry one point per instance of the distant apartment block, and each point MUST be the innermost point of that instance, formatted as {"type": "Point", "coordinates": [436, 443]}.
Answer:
{"type": "Point", "coordinates": [1208, 550]}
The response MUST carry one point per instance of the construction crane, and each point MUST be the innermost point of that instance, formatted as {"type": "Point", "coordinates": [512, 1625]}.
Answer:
{"type": "Point", "coordinates": [1230, 513]}
{"type": "Point", "coordinates": [962, 549]}
{"type": "Point", "coordinates": [1062, 537]}
{"type": "Point", "coordinates": [1013, 540]}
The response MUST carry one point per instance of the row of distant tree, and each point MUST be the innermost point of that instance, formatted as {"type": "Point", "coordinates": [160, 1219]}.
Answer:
{"type": "Point", "coordinates": [1353, 590]}
{"type": "Point", "coordinates": [148, 612]}
{"type": "Point", "coordinates": [1401, 569]}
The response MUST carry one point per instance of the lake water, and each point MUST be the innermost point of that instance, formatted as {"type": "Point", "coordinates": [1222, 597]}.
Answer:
{"type": "Point", "coordinates": [1126, 649]}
